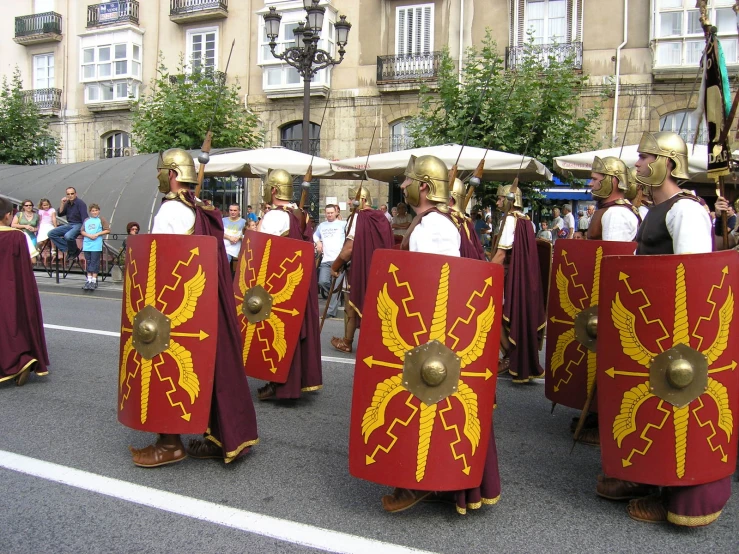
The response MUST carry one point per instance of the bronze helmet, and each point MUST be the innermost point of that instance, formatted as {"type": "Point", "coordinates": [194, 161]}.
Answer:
{"type": "Point", "coordinates": [180, 161]}
{"type": "Point", "coordinates": [665, 145]}
{"type": "Point", "coordinates": [610, 166]}
{"type": "Point", "coordinates": [282, 181]}
{"type": "Point", "coordinates": [458, 194]}
{"type": "Point", "coordinates": [432, 171]}
{"type": "Point", "coordinates": [504, 191]}
{"type": "Point", "coordinates": [364, 194]}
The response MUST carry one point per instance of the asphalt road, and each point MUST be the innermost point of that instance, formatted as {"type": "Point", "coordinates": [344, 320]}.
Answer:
{"type": "Point", "coordinates": [297, 473]}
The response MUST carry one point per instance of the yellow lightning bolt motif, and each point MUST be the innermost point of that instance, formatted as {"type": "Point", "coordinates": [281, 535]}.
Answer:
{"type": "Point", "coordinates": [709, 439]}
{"type": "Point", "coordinates": [185, 415]}
{"type": "Point", "coordinates": [394, 270]}
{"type": "Point", "coordinates": [626, 462]}
{"type": "Point", "coordinates": [566, 380]}
{"type": "Point", "coordinates": [468, 304]}
{"type": "Point", "coordinates": [647, 303]}
{"type": "Point", "coordinates": [248, 266]}
{"type": "Point", "coordinates": [466, 469]}
{"type": "Point", "coordinates": [713, 304]}
{"type": "Point", "coordinates": [371, 459]}
{"type": "Point", "coordinates": [286, 261]}
{"type": "Point", "coordinates": [574, 274]}
{"type": "Point", "coordinates": [267, 347]}
{"type": "Point", "coordinates": [194, 252]}
{"type": "Point", "coordinates": [131, 375]}
{"type": "Point", "coordinates": [137, 285]}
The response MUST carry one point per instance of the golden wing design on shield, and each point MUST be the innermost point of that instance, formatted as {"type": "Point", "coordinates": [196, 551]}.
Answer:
{"type": "Point", "coordinates": [278, 332]}
{"type": "Point", "coordinates": [291, 283]}
{"type": "Point", "coordinates": [188, 378]}
{"type": "Point", "coordinates": [725, 314]}
{"type": "Point", "coordinates": [387, 310]}
{"type": "Point", "coordinates": [190, 296]}
{"type": "Point", "coordinates": [472, 429]}
{"type": "Point", "coordinates": [484, 324]}
{"type": "Point", "coordinates": [563, 285]}
{"type": "Point", "coordinates": [625, 322]}
{"type": "Point", "coordinates": [563, 341]}
{"type": "Point", "coordinates": [717, 391]}
{"type": "Point", "coordinates": [625, 422]}
{"type": "Point", "coordinates": [374, 415]}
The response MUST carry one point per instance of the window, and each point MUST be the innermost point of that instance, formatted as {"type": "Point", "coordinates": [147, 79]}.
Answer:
{"type": "Point", "coordinates": [292, 138]}
{"type": "Point", "coordinates": [685, 123]}
{"type": "Point", "coordinates": [414, 29]}
{"type": "Point", "coordinates": [115, 144]}
{"type": "Point", "coordinates": [111, 66]}
{"type": "Point", "coordinates": [399, 137]}
{"type": "Point", "coordinates": [547, 20]}
{"type": "Point", "coordinates": [43, 71]}
{"type": "Point", "coordinates": [43, 6]}
{"type": "Point", "coordinates": [202, 48]}
{"type": "Point", "coordinates": [278, 74]}
{"type": "Point", "coordinates": [117, 91]}
{"type": "Point", "coordinates": [679, 35]}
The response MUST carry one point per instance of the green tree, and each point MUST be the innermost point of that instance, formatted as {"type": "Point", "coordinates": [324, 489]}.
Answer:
{"type": "Point", "coordinates": [179, 109]}
{"type": "Point", "coordinates": [25, 138]}
{"type": "Point", "coordinates": [535, 108]}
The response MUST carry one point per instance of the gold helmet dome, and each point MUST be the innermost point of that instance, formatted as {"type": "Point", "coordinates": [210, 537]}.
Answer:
{"type": "Point", "coordinates": [432, 171]}
{"type": "Point", "coordinates": [458, 194]}
{"type": "Point", "coordinates": [179, 161]}
{"type": "Point", "coordinates": [280, 180]}
{"type": "Point", "coordinates": [610, 166]}
{"type": "Point", "coordinates": [504, 191]}
{"type": "Point", "coordinates": [364, 194]}
{"type": "Point", "coordinates": [665, 145]}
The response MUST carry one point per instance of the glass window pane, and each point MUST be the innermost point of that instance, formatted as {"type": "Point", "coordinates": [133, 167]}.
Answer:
{"type": "Point", "coordinates": [92, 92]}
{"type": "Point", "coordinates": [693, 52]}
{"type": "Point", "coordinates": [121, 90]}
{"type": "Point", "coordinates": [274, 76]}
{"type": "Point", "coordinates": [88, 55]}
{"type": "Point", "coordinates": [293, 77]}
{"type": "Point", "coordinates": [121, 68]}
{"type": "Point", "coordinates": [557, 8]}
{"type": "Point", "coordinates": [136, 69]}
{"type": "Point", "coordinates": [694, 23]}
{"type": "Point", "coordinates": [557, 29]}
{"type": "Point", "coordinates": [670, 24]}
{"type": "Point", "coordinates": [729, 46]}
{"type": "Point", "coordinates": [671, 4]}
{"type": "Point", "coordinates": [107, 91]}
{"type": "Point", "coordinates": [120, 51]}
{"type": "Point", "coordinates": [104, 70]}
{"type": "Point", "coordinates": [104, 54]}
{"type": "Point", "coordinates": [136, 52]}
{"type": "Point", "coordinates": [88, 71]}
{"type": "Point", "coordinates": [726, 20]}
{"type": "Point", "coordinates": [668, 53]}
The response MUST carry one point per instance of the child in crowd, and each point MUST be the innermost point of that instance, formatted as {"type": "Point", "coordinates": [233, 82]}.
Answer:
{"type": "Point", "coordinates": [93, 229]}
{"type": "Point", "coordinates": [251, 225]}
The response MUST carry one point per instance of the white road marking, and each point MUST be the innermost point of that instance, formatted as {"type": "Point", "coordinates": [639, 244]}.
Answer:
{"type": "Point", "coordinates": [116, 334]}
{"type": "Point", "coordinates": [250, 522]}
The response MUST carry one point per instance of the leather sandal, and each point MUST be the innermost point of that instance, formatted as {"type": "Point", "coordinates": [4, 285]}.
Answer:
{"type": "Point", "coordinates": [341, 344]}
{"type": "Point", "coordinates": [504, 364]}
{"type": "Point", "coordinates": [590, 436]}
{"type": "Point", "coordinates": [22, 377]}
{"type": "Point", "coordinates": [166, 450]}
{"type": "Point", "coordinates": [267, 391]}
{"type": "Point", "coordinates": [203, 449]}
{"type": "Point", "coordinates": [650, 509]}
{"type": "Point", "coordinates": [402, 499]}
{"type": "Point", "coordinates": [617, 489]}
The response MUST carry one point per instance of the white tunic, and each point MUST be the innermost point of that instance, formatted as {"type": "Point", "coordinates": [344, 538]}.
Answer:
{"type": "Point", "coordinates": [643, 211]}
{"type": "Point", "coordinates": [689, 226]}
{"type": "Point", "coordinates": [619, 224]}
{"type": "Point", "coordinates": [276, 222]}
{"type": "Point", "coordinates": [508, 234]}
{"type": "Point", "coordinates": [435, 234]}
{"type": "Point", "coordinates": [174, 218]}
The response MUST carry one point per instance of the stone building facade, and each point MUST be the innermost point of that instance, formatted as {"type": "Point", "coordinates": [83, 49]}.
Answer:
{"type": "Point", "coordinates": [82, 61]}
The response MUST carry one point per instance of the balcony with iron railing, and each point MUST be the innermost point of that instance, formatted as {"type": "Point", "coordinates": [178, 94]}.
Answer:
{"type": "Point", "coordinates": [297, 145]}
{"type": "Point", "coordinates": [189, 11]}
{"type": "Point", "coordinates": [113, 13]}
{"type": "Point", "coordinates": [407, 71]}
{"type": "Point", "coordinates": [38, 28]}
{"type": "Point", "coordinates": [572, 51]}
{"type": "Point", "coordinates": [48, 100]}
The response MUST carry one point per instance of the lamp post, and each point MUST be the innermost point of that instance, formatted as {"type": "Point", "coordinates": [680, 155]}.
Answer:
{"type": "Point", "coordinates": [307, 59]}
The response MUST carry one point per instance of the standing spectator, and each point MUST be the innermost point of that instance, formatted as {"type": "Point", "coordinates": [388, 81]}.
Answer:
{"type": "Point", "coordinates": [557, 225]}
{"type": "Point", "coordinates": [401, 222]}
{"type": "Point", "coordinates": [389, 216]}
{"type": "Point", "coordinates": [132, 228]}
{"type": "Point", "coordinates": [47, 221]}
{"type": "Point", "coordinates": [93, 229]}
{"type": "Point", "coordinates": [329, 238]}
{"type": "Point", "coordinates": [233, 230]}
{"type": "Point", "coordinates": [590, 212]}
{"type": "Point", "coordinates": [65, 236]}
{"type": "Point", "coordinates": [545, 233]}
{"type": "Point", "coordinates": [569, 221]}
{"type": "Point", "coordinates": [27, 221]}
{"type": "Point", "coordinates": [250, 215]}
{"type": "Point", "coordinates": [583, 222]}
{"type": "Point", "coordinates": [718, 227]}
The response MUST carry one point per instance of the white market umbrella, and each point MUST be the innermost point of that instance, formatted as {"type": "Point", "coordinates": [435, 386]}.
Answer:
{"type": "Point", "coordinates": [579, 165]}
{"type": "Point", "coordinates": [499, 166]}
{"type": "Point", "coordinates": [255, 163]}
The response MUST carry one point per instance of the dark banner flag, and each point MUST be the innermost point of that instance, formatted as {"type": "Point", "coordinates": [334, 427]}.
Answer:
{"type": "Point", "coordinates": [717, 104]}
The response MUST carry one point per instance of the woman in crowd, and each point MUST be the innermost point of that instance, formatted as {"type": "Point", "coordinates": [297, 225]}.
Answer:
{"type": "Point", "coordinates": [47, 221]}
{"type": "Point", "coordinates": [27, 221]}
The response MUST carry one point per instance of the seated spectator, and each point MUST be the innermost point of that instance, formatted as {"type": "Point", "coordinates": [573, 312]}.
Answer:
{"type": "Point", "coordinates": [401, 222]}
{"type": "Point", "coordinates": [93, 229]}
{"type": "Point", "coordinates": [47, 221]}
{"type": "Point", "coordinates": [65, 236]}
{"type": "Point", "coordinates": [27, 221]}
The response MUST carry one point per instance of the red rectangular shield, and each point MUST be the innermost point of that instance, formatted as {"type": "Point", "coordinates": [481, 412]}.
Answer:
{"type": "Point", "coordinates": [668, 388]}
{"type": "Point", "coordinates": [424, 383]}
{"type": "Point", "coordinates": [169, 329]}
{"type": "Point", "coordinates": [271, 289]}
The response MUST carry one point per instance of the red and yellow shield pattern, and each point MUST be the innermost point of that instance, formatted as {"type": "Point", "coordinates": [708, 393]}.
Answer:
{"type": "Point", "coordinates": [169, 329]}
{"type": "Point", "coordinates": [668, 388]}
{"type": "Point", "coordinates": [274, 273]}
{"type": "Point", "coordinates": [415, 304]}
{"type": "Point", "coordinates": [576, 271]}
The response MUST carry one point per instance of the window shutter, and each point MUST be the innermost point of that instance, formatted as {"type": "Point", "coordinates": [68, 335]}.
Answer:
{"type": "Point", "coordinates": [400, 35]}
{"type": "Point", "coordinates": [578, 21]}
{"type": "Point", "coordinates": [520, 26]}
{"type": "Point", "coordinates": [427, 29]}
{"type": "Point", "coordinates": [570, 37]}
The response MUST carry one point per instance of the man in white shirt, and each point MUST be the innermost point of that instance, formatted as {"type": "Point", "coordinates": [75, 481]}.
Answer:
{"type": "Point", "coordinates": [387, 214]}
{"type": "Point", "coordinates": [233, 231]}
{"type": "Point", "coordinates": [329, 238]}
{"type": "Point", "coordinates": [557, 224]}
{"type": "Point", "coordinates": [569, 221]}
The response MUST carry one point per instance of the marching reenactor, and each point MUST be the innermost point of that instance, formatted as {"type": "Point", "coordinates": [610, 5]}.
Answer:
{"type": "Point", "coordinates": [616, 219]}
{"type": "Point", "coordinates": [470, 242]}
{"type": "Point", "coordinates": [181, 368]}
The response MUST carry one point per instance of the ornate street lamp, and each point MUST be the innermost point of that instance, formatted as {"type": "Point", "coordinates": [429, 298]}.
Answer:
{"type": "Point", "coordinates": [307, 58]}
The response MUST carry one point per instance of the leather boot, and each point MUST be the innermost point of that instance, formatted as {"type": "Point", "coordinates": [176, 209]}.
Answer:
{"type": "Point", "coordinates": [402, 499]}
{"type": "Point", "coordinates": [168, 449]}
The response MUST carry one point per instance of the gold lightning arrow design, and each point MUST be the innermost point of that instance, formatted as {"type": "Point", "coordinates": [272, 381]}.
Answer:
{"type": "Point", "coordinates": [555, 320]}
{"type": "Point", "coordinates": [487, 375]}
{"type": "Point", "coordinates": [202, 335]}
{"type": "Point", "coordinates": [612, 373]}
{"type": "Point", "coordinates": [370, 361]}
{"type": "Point", "coordinates": [292, 312]}
{"type": "Point", "coordinates": [730, 367]}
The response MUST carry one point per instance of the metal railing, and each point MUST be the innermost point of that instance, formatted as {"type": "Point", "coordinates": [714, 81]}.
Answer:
{"type": "Point", "coordinates": [108, 13]}
{"type": "Point", "coordinates": [58, 265]}
{"type": "Point", "coordinates": [46, 99]}
{"type": "Point", "coordinates": [572, 51]}
{"type": "Point", "coordinates": [408, 67]}
{"type": "Point", "coordinates": [200, 73]}
{"type": "Point", "coordinates": [297, 145]}
{"type": "Point", "coordinates": [180, 7]}
{"type": "Point", "coordinates": [400, 142]}
{"type": "Point", "coordinates": [38, 24]}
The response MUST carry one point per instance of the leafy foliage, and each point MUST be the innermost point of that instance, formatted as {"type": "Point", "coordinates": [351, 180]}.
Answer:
{"type": "Point", "coordinates": [25, 138]}
{"type": "Point", "coordinates": [533, 109]}
{"type": "Point", "coordinates": [179, 109]}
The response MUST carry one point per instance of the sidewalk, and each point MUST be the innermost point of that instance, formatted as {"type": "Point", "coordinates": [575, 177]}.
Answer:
{"type": "Point", "coordinates": [73, 284]}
